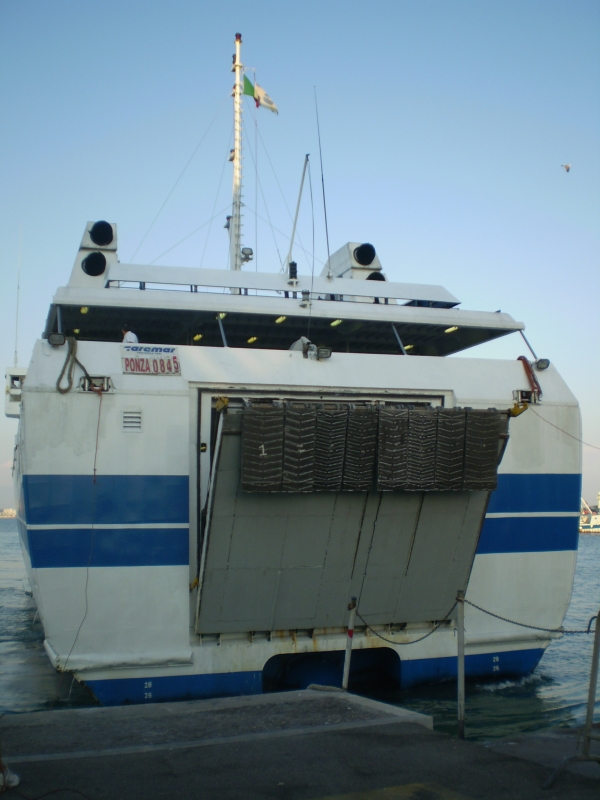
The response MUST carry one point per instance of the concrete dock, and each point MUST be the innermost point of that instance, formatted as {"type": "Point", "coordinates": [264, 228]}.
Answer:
{"type": "Point", "coordinates": [309, 744]}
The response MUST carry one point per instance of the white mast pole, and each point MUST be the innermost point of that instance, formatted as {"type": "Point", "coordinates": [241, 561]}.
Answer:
{"type": "Point", "coordinates": [289, 255]}
{"type": "Point", "coordinates": [235, 228]}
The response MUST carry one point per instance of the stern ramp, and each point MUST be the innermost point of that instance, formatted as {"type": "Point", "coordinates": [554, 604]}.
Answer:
{"type": "Point", "coordinates": [312, 503]}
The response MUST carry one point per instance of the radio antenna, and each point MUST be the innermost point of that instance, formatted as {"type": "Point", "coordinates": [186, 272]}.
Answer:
{"type": "Point", "coordinates": [18, 290]}
{"type": "Point", "coordinates": [329, 275]}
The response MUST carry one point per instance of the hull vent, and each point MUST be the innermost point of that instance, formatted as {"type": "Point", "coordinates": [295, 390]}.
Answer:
{"type": "Point", "coordinates": [132, 421]}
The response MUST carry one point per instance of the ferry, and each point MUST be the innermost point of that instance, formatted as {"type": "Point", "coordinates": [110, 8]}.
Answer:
{"type": "Point", "coordinates": [210, 464]}
{"type": "Point", "coordinates": [590, 517]}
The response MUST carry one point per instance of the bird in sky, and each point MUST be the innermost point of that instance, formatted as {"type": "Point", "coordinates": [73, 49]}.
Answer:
{"type": "Point", "coordinates": [566, 166]}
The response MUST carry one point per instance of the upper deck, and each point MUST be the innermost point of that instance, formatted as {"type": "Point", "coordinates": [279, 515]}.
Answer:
{"type": "Point", "coordinates": [350, 307]}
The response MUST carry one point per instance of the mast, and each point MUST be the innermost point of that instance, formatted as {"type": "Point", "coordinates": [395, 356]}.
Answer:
{"type": "Point", "coordinates": [235, 226]}
{"type": "Point", "coordinates": [289, 255]}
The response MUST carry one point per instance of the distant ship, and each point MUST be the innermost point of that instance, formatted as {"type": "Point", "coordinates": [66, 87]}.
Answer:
{"type": "Point", "coordinates": [8, 512]}
{"type": "Point", "coordinates": [589, 522]}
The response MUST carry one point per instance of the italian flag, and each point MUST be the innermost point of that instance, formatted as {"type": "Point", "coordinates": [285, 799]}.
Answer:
{"type": "Point", "coordinates": [261, 98]}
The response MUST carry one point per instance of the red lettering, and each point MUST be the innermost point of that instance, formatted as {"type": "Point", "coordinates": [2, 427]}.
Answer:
{"type": "Point", "coordinates": [169, 365]}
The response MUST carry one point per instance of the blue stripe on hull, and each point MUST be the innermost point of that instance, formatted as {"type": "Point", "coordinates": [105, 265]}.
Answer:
{"type": "Point", "coordinates": [151, 499]}
{"type": "Point", "coordinates": [528, 534]}
{"type": "Point", "coordinates": [127, 547]}
{"type": "Point", "coordinates": [487, 665]}
{"type": "Point", "coordinates": [123, 691]}
{"type": "Point", "coordinates": [537, 492]}
{"type": "Point", "coordinates": [138, 499]}
{"type": "Point", "coordinates": [113, 499]}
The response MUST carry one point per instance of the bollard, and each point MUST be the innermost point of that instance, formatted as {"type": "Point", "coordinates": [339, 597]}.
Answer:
{"type": "Point", "coordinates": [346, 676]}
{"type": "Point", "coordinates": [460, 626]}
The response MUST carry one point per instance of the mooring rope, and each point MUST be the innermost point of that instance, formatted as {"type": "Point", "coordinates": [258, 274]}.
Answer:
{"type": "Point", "coordinates": [69, 366]}
{"type": "Point", "coordinates": [414, 641]}
{"type": "Point", "coordinates": [439, 624]}
{"type": "Point", "coordinates": [532, 627]}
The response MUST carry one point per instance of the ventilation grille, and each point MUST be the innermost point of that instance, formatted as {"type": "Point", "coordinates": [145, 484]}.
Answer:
{"type": "Point", "coordinates": [132, 420]}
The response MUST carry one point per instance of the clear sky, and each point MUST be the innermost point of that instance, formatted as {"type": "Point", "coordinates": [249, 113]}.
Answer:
{"type": "Point", "coordinates": [444, 124]}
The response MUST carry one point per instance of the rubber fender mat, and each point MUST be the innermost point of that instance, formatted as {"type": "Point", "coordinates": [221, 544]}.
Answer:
{"type": "Point", "coordinates": [421, 450]}
{"type": "Point", "coordinates": [361, 447]}
{"type": "Point", "coordinates": [450, 456]}
{"type": "Point", "coordinates": [483, 429]}
{"type": "Point", "coordinates": [392, 449]}
{"type": "Point", "coordinates": [299, 448]}
{"type": "Point", "coordinates": [330, 448]}
{"type": "Point", "coordinates": [262, 449]}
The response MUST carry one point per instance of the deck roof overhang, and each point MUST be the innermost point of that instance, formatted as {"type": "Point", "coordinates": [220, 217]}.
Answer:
{"type": "Point", "coordinates": [174, 317]}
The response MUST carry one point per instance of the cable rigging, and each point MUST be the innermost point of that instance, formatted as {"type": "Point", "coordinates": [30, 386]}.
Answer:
{"type": "Point", "coordinates": [204, 224]}
{"type": "Point", "coordinates": [225, 162]}
{"type": "Point", "coordinates": [304, 250]}
{"type": "Point", "coordinates": [329, 275]}
{"type": "Point", "coordinates": [257, 215]}
{"type": "Point", "coordinates": [189, 161]}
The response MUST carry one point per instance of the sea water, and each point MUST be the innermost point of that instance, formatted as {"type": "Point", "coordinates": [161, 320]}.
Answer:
{"type": "Point", "coordinates": [555, 694]}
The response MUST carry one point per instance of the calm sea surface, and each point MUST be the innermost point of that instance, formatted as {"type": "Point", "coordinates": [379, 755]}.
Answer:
{"type": "Point", "coordinates": [555, 694]}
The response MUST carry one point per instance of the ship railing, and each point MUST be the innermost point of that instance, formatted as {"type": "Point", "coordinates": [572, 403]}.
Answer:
{"type": "Point", "coordinates": [244, 291]}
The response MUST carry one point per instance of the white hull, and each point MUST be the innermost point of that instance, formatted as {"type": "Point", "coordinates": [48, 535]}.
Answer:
{"type": "Point", "coordinates": [126, 626]}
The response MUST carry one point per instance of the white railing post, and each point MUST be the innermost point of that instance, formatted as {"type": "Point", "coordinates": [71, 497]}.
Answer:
{"type": "Point", "coordinates": [348, 655]}
{"type": "Point", "coordinates": [589, 719]}
{"type": "Point", "coordinates": [588, 734]}
{"type": "Point", "coordinates": [460, 630]}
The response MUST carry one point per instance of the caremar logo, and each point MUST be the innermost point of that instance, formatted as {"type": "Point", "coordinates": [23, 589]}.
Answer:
{"type": "Point", "coordinates": [137, 348]}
